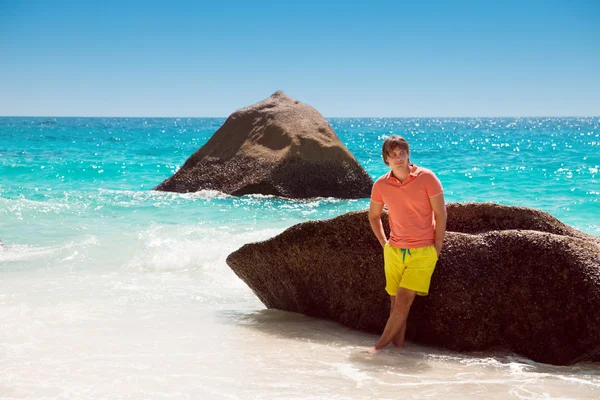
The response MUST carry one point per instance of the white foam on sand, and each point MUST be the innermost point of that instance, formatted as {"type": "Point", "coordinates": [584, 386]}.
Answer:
{"type": "Point", "coordinates": [156, 313]}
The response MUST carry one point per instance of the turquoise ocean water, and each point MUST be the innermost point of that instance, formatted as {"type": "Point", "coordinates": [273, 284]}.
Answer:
{"type": "Point", "coordinates": [92, 252]}
{"type": "Point", "coordinates": [59, 174]}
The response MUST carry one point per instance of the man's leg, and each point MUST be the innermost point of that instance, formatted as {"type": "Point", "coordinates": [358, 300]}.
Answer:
{"type": "Point", "coordinates": [398, 316]}
{"type": "Point", "coordinates": [398, 340]}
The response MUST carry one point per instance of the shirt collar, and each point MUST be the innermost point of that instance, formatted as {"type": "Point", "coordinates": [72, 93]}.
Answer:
{"type": "Point", "coordinates": [414, 171]}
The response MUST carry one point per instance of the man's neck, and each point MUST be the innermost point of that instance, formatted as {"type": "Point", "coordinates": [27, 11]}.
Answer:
{"type": "Point", "coordinates": [402, 174]}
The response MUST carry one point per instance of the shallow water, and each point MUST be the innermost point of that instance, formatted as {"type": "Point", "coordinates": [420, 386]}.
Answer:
{"type": "Point", "coordinates": [108, 289]}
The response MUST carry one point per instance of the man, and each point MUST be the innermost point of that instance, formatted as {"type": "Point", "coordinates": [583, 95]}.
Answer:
{"type": "Point", "coordinates": [417, 215]}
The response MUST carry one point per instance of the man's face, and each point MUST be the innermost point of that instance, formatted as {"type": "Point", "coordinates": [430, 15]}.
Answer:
{"type": "Point", "coordinates": [397, 158]}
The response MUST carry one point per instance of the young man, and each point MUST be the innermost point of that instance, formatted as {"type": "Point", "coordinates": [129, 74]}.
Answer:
{"type": "Point", "coordinates": [417, 215]}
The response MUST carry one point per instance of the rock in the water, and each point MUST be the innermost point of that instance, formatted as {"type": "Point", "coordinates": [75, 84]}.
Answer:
{"type": "Point", "coordinates": [278, 147]}
{"type": "Point", "coordinates": [509, 277]}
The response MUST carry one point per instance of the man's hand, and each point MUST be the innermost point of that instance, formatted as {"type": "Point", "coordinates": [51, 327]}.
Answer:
{"type": "Point", "coordinates": [438, 247]}
{"type": "Point", "coordinates": [438, 205]}
{"type": "Point", "coordinates": [384, 243]}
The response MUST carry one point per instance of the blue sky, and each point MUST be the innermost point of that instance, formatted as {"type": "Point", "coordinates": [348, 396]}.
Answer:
{"type": "Point", "coordinates": [384, 59]}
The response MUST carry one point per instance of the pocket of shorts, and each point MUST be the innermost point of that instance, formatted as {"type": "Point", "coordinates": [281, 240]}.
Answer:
{"type": "Point", "coordinates": [435, 253]}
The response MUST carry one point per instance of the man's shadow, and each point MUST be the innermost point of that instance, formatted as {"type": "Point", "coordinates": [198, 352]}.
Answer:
{"type": "Point", "coordinates": [354, 345]}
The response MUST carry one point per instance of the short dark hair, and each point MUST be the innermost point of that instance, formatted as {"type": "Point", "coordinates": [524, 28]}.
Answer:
{"type": "Point", "coordinates": [391, 143]}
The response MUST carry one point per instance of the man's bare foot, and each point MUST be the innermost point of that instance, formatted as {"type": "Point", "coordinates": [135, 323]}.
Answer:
{"type": "Point", "coordinates": [369, 350]}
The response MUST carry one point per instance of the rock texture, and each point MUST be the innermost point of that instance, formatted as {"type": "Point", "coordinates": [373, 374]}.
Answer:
{"type": "Point", "coordinates": [278, 147]}
{"type": "Point", "coordinates": [507, 277]}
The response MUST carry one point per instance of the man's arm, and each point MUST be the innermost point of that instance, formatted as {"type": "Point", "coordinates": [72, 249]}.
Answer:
{"type": "Point", "coordinates": [438, 205]}
{"type": "Point", "coordinates": [375, 210]}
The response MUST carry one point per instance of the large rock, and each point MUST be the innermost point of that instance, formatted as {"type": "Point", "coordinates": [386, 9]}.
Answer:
{"type": "Point", "coordinates": [508, 276]}
{"type": "Point", "coordinates": [276, 147]}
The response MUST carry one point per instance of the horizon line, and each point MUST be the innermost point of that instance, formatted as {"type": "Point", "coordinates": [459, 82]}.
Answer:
{"type": "Point", "coordinates": [335, 117]}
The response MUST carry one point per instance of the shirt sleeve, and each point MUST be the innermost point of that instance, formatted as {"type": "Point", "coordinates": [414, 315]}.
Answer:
{"type": "Point", "coordinates": [433, 186]}
{"type": "Point", "coordinates": [376, 194]}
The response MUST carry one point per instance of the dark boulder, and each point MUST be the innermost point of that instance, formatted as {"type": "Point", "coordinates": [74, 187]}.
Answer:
{"type": "Point", "coordinates": [278, 147]}
{"type": "Point", "coordinates": [507, 277]}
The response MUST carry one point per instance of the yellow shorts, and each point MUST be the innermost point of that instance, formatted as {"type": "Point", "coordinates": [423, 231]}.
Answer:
{"type": "Point", "coordinates": [409, 268]}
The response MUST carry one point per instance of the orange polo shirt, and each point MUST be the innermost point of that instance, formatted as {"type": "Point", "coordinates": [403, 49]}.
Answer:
{"type": "Point", "coordinates": [411, 218]}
